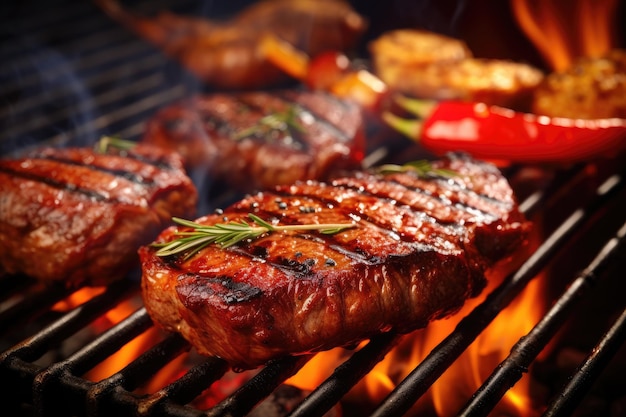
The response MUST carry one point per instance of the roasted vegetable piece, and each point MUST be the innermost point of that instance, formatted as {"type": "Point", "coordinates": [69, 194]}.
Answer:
{"type": "Point", "coordinates": [326, 69]}
{"type": "Point", "coordinates": [497, 133]}
{"type": "Point", "coordinates": [594, 87]}
{"type": "Point", "coordinates": [330, 71]}
{"type": "Point", "coordinates": [433, 66]}
{"type": "Point", "coordinates": [227, 53]}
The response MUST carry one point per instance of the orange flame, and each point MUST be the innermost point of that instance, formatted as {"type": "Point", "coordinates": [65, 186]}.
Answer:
{"type": "Point", "coordinates": [77, 298]}
{"type": "Point", "coordinates": [133, 349]}
{"type": "Point", "coordinates": [564, 30]}
{"type": "Point", "coordinates": [455, 387]}
{"type": "Point", "coordinates": [446, 397]}
{"type": "Point", "coordinates": [490, 348]}
{"type": "Point", "coordinates": [463, 378]}
{"type": "Point", "coordinates": [128, 352]}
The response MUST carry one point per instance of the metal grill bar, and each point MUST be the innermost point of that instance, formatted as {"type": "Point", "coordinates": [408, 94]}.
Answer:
{"type": "Point", "coordinates": [565, 404]}
{"type": "Point", "coordinates": [114, 395]}
{"type": "Point", "coordinates": [59, 385]}
{"type": "Point", "coordinates": [443, 355]}
{"type": "Point", "coordinates": [33, 301]}
{"type": "Point", "coordinates": [345, 377]}
{"type": "Point", "coordinates": [19, 362]}
{"type": "Point", "coordinates": [72, 86]}
{"type": "Point", "coordinates": [527, 349]}
{"type": "Point", "coordinates": [96, 52]}
{"type": "Point", "coordinates": [259, 387]}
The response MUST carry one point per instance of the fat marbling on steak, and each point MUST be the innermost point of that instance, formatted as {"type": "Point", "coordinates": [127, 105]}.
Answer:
{"type": "Point", "coordinates": [78, 215]}
{"type": "Point", "coordinates": [418, 248]}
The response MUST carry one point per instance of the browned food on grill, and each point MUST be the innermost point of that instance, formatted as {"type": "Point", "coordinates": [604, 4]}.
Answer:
{"type": "Point", "coordinates": [254, 140]}
{"type": "Point", "coordinates": [418, 248]}
{"type": "Point", "coordinates": [78, 216]}
{"type": "Point", "coordinates": [593, 88]}
{"type": "Point", "coordinates": [430, 65]}
{"type": "Point", "coordinates": [228, 54]}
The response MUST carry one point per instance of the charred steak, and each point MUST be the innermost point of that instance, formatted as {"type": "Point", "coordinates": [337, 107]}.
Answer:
{"type": "Point", "coordinates": [418, 248]}
{"type": "Point", "coordinates": [256, 140]}
{"type": "Point", "coordinates": [78, 216]}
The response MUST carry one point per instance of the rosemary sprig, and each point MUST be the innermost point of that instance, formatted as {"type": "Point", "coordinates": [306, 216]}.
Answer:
{"type": "Point", "coordinates": [231, 233]}
{"type": "Point", "coordinates": [279, 121]}
{"type": "Point", "coordinates": [108, 142]}
{"type": "Point", "coordinates": [422, 168]}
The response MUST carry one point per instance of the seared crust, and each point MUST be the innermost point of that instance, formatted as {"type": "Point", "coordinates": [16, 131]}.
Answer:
{"type": "Point", "coordinates": [78, 216]}
{"type": "Point", "coordinates": [416, 253]}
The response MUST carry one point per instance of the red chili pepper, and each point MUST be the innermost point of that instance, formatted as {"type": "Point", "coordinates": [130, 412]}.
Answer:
{"type": "Point", "coordinates": [497, 133]}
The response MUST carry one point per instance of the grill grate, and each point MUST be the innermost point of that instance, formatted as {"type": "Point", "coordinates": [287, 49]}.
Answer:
{"type": "Point", "coordinates": [69, 75]}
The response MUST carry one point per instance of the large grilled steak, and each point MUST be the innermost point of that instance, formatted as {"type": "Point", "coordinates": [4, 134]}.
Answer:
{"type": "Point", "coordinates": [256, 140]}
{"type": "Point", "coordinates": [78, 215]}
{"type": "Point", "coordinates": [418, 248]}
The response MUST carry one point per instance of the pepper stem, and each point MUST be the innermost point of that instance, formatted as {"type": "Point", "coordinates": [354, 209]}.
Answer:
{"type": "Point", "coordinates": [410, 128]}
{"type": "Point", "coordinates": [418, 107]}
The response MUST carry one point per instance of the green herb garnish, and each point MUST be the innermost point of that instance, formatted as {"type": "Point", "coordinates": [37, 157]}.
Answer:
{"type": "Point", "coordinates": [113, 142]}
{"type": "Point", "coordinates": [231, 233]}
{"type": "Point", "coordinates": [422, 168]}
{"type": "Point", "coordinates": [284, 121]}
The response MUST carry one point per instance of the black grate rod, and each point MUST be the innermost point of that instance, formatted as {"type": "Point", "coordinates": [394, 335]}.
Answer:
{"type": "Point", "coordinates": [407, 392]}
{"type": "Point", "coordinates": [32, 348]}
{"type": "Point", "coordinates": [345, 376]}
{"type": "Point", "coordinates": [37, 300]}
{"type": "Point", "coordinates": [109, 342]}
{"type": "Point", "coordinates": [115, 389]}
{"type": "Point", "coordinates": [528, 347]}
{"type": "Point", "coordinates": [59, 385]}
{"type": "Point", "coordinates": [562, 183]}
{"type": "Point", "coordinates": [197, 379]}
{"type": "Point", "coordinates": [580, 383]}
{"type": "Point", "coordinates": [242, 401]}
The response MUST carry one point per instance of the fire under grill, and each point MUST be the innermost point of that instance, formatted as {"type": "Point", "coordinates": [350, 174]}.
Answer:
{"type": "Point", "coordinates": [69, 75]}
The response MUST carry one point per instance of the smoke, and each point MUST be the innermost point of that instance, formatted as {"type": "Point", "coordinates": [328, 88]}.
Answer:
{"type": "Point", "coordinates": [41, 92]}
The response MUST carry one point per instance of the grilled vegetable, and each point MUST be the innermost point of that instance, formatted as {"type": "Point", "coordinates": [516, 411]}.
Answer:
{"type": "Point", "coordinates": [330, 71]}
{"type": "Point", "coordinates": [424, 64]}
{"type": "Point", "coordinates": [593, 88]}
{"type": "Point", "coordinates": [226, 53]}
{"type": "Point", "coordinates": [497, 133]}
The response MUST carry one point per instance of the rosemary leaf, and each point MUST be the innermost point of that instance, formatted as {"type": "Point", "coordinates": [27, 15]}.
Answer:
{"type": "Point", "coordinates": [108, 142]}
{"type": "Point", "coordinates": [280, 121]}
{"type": "Point", "coordinates": [422, 168]}
{"type": "Point", "coordinates": [189, 242]}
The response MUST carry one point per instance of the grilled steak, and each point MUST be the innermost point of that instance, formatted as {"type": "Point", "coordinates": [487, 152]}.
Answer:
{"type": "Point", "coordinates": [418, 248]}
{"type": "Point", "coordinates": [257, 140]}
{"type": "Point", "coordinates": [78, 216]}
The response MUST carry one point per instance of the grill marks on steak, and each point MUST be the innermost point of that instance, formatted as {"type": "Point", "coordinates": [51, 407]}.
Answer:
{"type": "Point", "coordinates": [413, 256]}
{"type": "Point", "coordinates": [207, 131]}
{"type": "Point", "coordinates": [78, 216]}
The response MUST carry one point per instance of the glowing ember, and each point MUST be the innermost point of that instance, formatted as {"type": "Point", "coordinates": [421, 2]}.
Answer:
{"type": "Point", "coordinates": [564, 30]}
{"type": "Point", "coordinates": [77, 298]}
{"type": "Point", "coordinates": [129, 351]}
